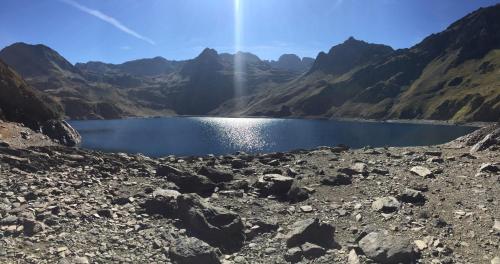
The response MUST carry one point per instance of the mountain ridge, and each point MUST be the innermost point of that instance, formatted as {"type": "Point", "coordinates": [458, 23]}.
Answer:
{"type": "Point", "coordinates": [450, 75]}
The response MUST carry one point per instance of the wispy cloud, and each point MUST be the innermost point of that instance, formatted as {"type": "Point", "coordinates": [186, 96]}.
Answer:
{"type": "Point", "coordinates": [108, 19]}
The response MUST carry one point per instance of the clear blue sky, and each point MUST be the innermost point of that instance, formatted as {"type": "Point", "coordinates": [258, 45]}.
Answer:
{"type": "Point", "coordinates": [120, 30]}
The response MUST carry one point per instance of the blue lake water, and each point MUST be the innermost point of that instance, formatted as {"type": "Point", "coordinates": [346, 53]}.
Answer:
{"type": "Point", "coordinates": [212, 135]}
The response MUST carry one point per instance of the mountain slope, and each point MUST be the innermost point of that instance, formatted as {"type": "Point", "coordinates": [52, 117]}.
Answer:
{"type": "Point", "coordinates": [20, 103]}
{"type": "Point", "coordinates": [452, 75]}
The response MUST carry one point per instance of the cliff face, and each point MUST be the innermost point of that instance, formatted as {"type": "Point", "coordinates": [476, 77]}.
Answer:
{"type": "Point", "coordinates": [22, 104]}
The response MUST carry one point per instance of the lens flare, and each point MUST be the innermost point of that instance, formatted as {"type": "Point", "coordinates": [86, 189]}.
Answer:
{"type": "Point", "coordinates": [239, 63]}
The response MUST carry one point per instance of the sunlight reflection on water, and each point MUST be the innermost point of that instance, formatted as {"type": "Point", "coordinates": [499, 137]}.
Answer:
{"type": "Point", "coordinates": [247, 134]}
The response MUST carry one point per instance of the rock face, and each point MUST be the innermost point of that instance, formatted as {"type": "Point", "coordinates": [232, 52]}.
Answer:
{"type": "Point", "coordinates": [193, 251]}
{"type": "Point", "coordinates": [387, 249]}
{"type": "Point", "coordinates": [20, 103]}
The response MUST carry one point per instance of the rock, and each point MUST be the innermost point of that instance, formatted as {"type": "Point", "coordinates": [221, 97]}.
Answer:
{"type": "Point", "coordinates": [62, 132]}
{"type": "Point", "coordinates": [422, 171]}
{"type": "Point", "coordinates": [421, 245]}
{"type": "Point", "coordinates": [495, 260]}
{"type": "Point", "coordinates": [238, 164]}
{"type": "Point", "coordinates": [294, 255]}
{"type": "Point", "coordinates": [489, 167]}
{"type": "Point", "coordinates": [337, 180]}
{"type": "Point", "coordinates": [386, 204]}
{"type": "Point", "coordinates": [165, 170]}
{"type": "Point", "coordinates": [360, 168]}
{"type": "Point", "coordinates": [496, 225]}
{"type": "Point", "coordinates": [260, 227]}
{"type": "Point", "coordinates": [217, 226]}
{"type": "Point", "coordinates": [312, 251]}
{"type": "Point", "coordinates": [306, 208]}
{"type": "Point", "coordinates": [215, 175]}
{"type": "Point", "coordinates": [32, 227]}
{"type": "Point", "coordinates": [105, 213]}
{"type": "Point", "coordinates": [412, 196]}
{"type": "Point", "coordinates": [484, 143]}
{"type": "Point", "coordinates": [273, 184]}
{"type": "Point", "coordinates": [193, 251]}
{"type": "Point", "coordinates": [384, 248]}
{"type": "Point", "coordinates": [80, 260]}
{"type": "Point", "coordinates": [353, 258]}
{"type": "Point", "coordinates": [192, 183]}
{"type": "Point", "coordinates": [297, 193]}
{"type": "Point", "coordinates": [9, 220]}
{"type": "Point", "coordinates": [164, 202]}
{"type": "Point", "coordinates": [313, 231]}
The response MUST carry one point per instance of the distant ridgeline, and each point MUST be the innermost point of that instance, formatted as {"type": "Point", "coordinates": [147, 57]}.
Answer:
{"type": "Point", "coordinates": [452, 75]}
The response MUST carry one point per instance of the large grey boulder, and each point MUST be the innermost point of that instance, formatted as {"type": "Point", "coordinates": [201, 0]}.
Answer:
{"type": "Point", "coordinates": [193, 251]}
{"type": "Point", "coordinates": [62, 132]}
{"type": "Point", "coordinates": [215, 175]}
{"type": "Point", "coordinates": [387, 204]}
{"type": "Point", "coordinates": [217, 226]}
{"type": "Point", "coordinates": [273, 184]}
{"type": "Point", "coordinates": [384, 248]}
{"type": "Point", "coordinates": [186, 181]}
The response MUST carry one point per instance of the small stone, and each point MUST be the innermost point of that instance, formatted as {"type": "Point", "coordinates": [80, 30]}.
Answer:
{"type": "Point", "coordinates": [81, 260]}
{"type": "Point", "coordinates": [421, 245]}
{"type": "Point", "coordinates": [306, 208]}
{"type": "Point", "coordinates": [495, 260]}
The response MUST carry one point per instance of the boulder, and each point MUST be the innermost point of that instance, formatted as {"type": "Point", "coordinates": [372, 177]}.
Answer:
{"type": "Point", "coordinates": [297, 193]}
{"type": "Point", "coordinates": [489, 167]}
{"type": "Point", "coordinates": [186, 181]}
{"type": "Point", "coordinates": [62, 132]}
{"type": "Point", "coordinates": [486, 142]}
{"type": "Point", "coordinates": [32, 227]}
{"type": "Point", "coordinates": [193, 251]}
{"type": "Point", "coordinates": [273, 184]}
{"type": "Point", "coordinates": [387, 204]}
{"type": "Point", "coordinates": [337, 180]}
{"type": "Point", "coordinates": [387, 249]}
{"type": "Point", "coordinates": [412, 196]}
{"type": "Point", "coordinates": [217, 226]}
{"type": "Point", "coordinates": [422, 171]}
{"type": "Point", "coordinates": [313, 231]}
{"type": "Point", "coordinates": [215, 175]}
{"type": "Point", "coordinates": [163, 202]}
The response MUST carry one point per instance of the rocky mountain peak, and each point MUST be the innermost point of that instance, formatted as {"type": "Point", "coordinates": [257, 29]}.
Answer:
{"type": "Point", "coordinates": [352, 52]}
{"type": "Point", "coordinates": [35, 60]}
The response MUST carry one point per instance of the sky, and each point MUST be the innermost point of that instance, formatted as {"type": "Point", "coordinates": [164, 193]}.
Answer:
{"type": "Point", "coordinates": [115, 31]}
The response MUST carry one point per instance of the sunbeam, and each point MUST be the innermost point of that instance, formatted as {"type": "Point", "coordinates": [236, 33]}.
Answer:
{"type": "Point", "coordinates": [239, 64]}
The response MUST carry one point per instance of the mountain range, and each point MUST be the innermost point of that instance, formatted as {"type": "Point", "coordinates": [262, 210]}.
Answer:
{"type": "Point", "coordinates": [451, 75]}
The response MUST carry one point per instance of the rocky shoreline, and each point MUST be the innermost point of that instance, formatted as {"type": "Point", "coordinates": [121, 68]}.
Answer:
{"type": "Point", "coordinates": [436, 204]}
